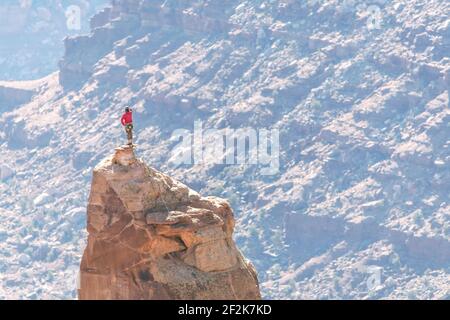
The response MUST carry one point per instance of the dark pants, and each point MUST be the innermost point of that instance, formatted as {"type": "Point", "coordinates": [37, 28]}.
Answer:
{"type": "Point", "coordinates": [129, 131]}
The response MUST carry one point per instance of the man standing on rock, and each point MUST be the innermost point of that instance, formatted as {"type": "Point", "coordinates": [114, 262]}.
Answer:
{"type": "Point", "coordinates": [127, 122]}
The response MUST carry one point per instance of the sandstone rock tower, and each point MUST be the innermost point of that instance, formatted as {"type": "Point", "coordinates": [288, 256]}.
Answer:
{"type": "Point", "coordinates": [151, 237]}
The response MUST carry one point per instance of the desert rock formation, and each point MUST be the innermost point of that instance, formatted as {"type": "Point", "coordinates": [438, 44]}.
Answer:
{"type": "Point", "coordinates": [151, 237]}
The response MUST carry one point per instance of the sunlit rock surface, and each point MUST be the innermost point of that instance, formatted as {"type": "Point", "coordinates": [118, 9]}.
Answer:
{"type": "Point", "coordinates": [151, 237]}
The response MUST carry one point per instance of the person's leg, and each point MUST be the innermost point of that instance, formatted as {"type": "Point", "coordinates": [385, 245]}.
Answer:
{"type": "Point", "coordinates": [131, 133]}
{"type": "Point", "coordinates": [129, 130]}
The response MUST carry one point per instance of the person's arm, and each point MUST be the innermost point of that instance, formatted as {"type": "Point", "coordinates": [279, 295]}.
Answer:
{"type": "Point", "coordinates": [122, 120]}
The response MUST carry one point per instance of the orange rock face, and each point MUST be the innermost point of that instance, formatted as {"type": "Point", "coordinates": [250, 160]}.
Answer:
{"type": "Point", "coordinates": [151, 237]}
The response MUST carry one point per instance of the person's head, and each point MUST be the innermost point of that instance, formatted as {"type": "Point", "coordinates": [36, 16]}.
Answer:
{"type": "Point", "coordinates": [127, 109]}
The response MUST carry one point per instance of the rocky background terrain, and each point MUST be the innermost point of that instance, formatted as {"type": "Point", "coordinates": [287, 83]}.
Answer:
{"type": "Point", "coordinates": [359, 92]}
{"type": "Point", "coordinates": [32, 31]}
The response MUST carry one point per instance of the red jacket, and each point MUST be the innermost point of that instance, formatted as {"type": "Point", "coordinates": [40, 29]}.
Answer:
{"type": "Point", "coordinates": [127, 118]}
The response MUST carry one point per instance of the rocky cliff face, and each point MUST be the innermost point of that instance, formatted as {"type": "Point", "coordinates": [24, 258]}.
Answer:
{"type": "Point", "coordinates": [125, 21]}
{"type": "Point", "coordinates": [362, 110]}
{"type": "Point", "coordinates": [151, 237]}
{"type": "Point", "coordinates": [11, 96]}
{"type": "Point", "coordinates": [32, 34]}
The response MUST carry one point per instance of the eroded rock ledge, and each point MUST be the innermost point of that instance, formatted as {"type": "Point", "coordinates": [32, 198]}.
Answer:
{"type": "Point", "coordinates": [151, 237]}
